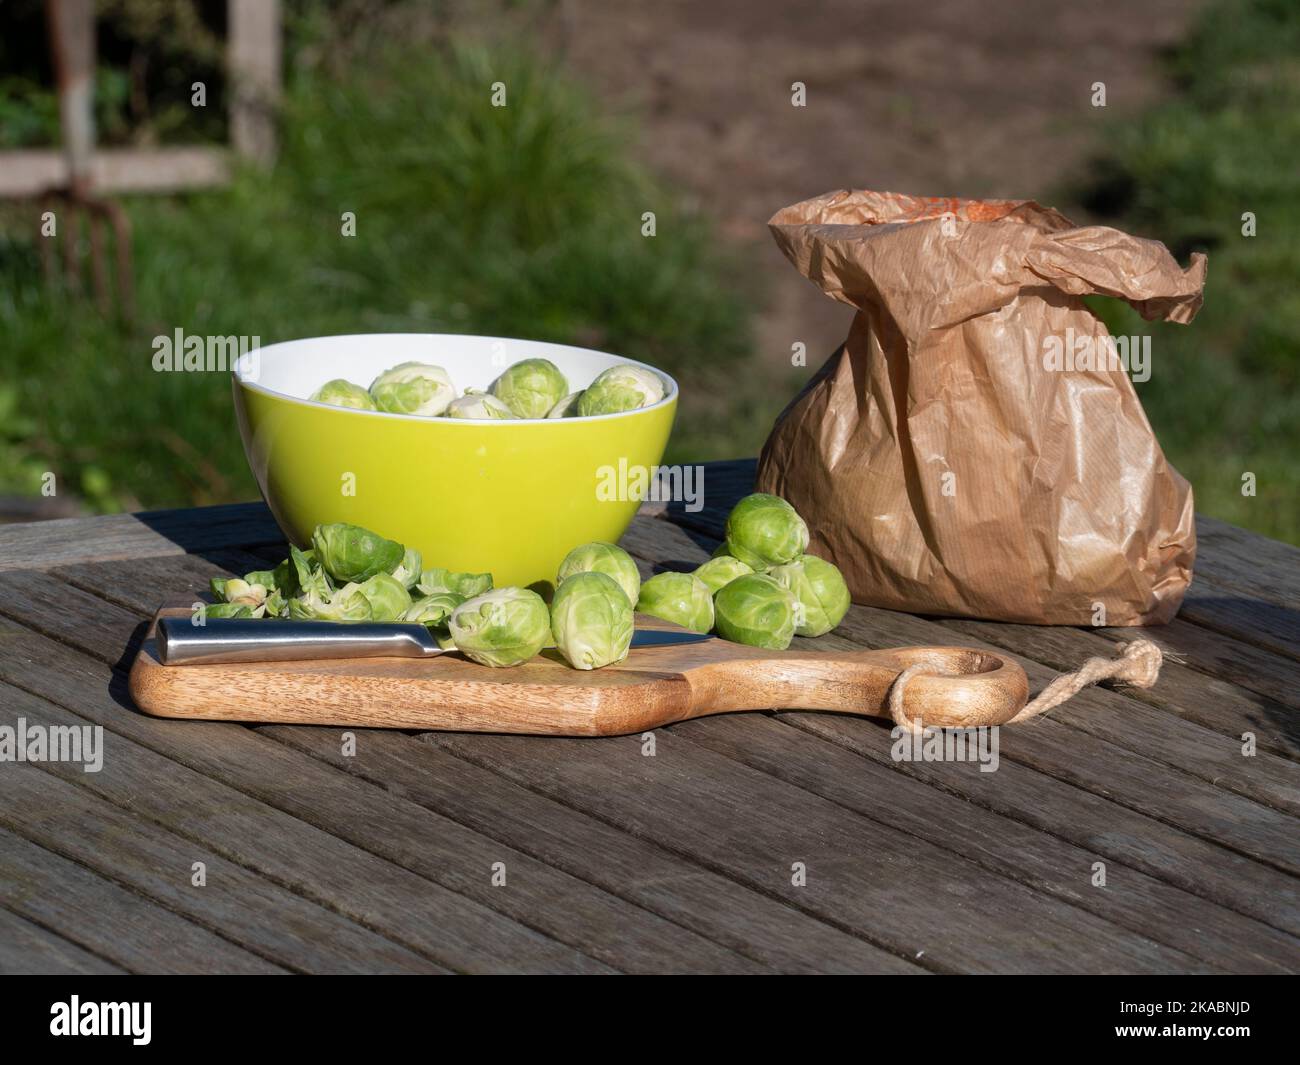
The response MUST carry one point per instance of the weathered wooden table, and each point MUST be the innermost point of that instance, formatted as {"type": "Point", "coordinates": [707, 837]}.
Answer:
{"type": "Point", "coordinates": [1126, 832]}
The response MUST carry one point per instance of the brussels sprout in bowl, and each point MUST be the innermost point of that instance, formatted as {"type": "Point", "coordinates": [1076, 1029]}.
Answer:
{"type": "Point", "coordinates": [508, 496]}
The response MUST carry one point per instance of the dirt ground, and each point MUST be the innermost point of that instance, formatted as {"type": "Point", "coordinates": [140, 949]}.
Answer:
{"type": "Point", "coordinates": [947, 97]}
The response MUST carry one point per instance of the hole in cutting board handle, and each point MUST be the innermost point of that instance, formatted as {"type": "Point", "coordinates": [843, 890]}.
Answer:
{"type": "Point", "coordinates": [953, 661]}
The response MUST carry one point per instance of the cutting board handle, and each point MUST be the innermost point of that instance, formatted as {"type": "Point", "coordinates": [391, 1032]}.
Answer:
{"type": "Point", "coordinates": [983, 688]}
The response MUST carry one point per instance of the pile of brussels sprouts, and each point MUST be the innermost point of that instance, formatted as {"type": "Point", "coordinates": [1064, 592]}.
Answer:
{"type": "Point", "coordinates": [533, 388]}
{"type": "Point", "coordinates": [760, 588]}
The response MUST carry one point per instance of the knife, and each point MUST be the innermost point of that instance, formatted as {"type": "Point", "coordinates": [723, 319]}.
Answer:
{"type": "Point", "coordinates": [182, 643]}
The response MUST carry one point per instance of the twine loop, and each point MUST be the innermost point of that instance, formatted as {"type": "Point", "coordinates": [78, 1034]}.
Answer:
{"type": "Point", "coordinates": [1138, 665]}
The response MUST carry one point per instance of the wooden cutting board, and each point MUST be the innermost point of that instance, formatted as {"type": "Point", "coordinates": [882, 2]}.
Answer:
{"type": "Point", "coordinates": [654, 686]}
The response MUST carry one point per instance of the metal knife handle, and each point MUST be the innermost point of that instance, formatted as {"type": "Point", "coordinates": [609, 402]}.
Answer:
{"type": "Point", "coordinates": [183, 643]}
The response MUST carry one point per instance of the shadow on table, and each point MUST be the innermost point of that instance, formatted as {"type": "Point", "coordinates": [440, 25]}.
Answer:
{"type": "Point", "coordinates": [703, 528]}
{"type": "Point", "coordinates": [118, 680]}
{"type": "Point", "coordinates": [1237, 638]}
{"type": "Point", "coordinates": [199, 530]}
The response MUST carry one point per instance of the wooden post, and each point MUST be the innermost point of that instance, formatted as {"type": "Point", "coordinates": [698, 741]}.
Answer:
{"type": "Point", "coordinates": [254, 72]}
{"type": "Point", "coordinates": [72, 45]}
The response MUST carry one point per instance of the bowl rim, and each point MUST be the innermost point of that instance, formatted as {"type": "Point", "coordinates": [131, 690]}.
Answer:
{"type": "Point", "coordinates": [670, 396]}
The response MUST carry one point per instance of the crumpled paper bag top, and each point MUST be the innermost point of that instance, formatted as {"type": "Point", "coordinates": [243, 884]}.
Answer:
{"type": "Point", "coordinates": [937, 459]}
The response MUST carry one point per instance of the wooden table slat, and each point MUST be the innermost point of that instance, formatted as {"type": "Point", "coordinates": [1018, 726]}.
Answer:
{"type": "Point", "coordinates": [1244, 617]}
{"type": "Point", "coordinates": [236, 903]}
{"type": "Point", "coordinates": [1092, 822]}
{"type": "Point", "coordinates": [127, 930]}
{"type": "Point", "coordinates": [1237, 558]}
{"type": "Point", "coordinates": [1246, 667]}
{"type": "Point", "coordinates": [865, 876]}
{"type": "Point", "coordinates": [1144, 904]}
{"type": "Point", "coordinates": [67, 541]}
{"type": "Point", "coordinates": [423, 916]}
{"type": "Point", "coordinates": [27, 949]}
{"type": "Point", "coordinates": [582, 845]}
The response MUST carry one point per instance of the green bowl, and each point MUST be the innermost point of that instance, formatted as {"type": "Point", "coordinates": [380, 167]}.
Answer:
{"type": "Point", "coordinates": [508, 497]}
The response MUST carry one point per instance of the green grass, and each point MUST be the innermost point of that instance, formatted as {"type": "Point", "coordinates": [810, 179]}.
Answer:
{"type": "Point", "coordinates": [524, 220]}
{"type": "Point", "coordinates": [1224, 393]}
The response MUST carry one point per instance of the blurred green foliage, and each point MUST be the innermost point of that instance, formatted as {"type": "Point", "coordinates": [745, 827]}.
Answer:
{"type": "Point", "coordinates": [29, 113]}
{"type": "Point", "coordinates": [523, 220]}
{"type": "Point", "coordinates": [1224, 393]}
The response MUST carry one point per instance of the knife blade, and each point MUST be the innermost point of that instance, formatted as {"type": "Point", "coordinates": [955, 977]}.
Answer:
{"type": "Point", "coordinates": [181, 642]}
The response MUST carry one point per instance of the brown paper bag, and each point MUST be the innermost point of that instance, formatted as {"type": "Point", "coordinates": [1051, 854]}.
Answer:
{"type": "Point", "coordinates": [940, 457]}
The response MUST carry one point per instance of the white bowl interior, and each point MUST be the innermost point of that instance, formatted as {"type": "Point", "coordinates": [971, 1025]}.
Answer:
{"type": "Point", "coordinates": [296, 368]}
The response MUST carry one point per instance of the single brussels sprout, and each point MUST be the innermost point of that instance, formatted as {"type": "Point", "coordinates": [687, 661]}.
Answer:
{"type": "Point", "coordinates": [592, 620]}
{"type": "Point", "coordinates": [388, 597]}
{"type": "Point", "coordinates": [480, 406]}
{"type": "Point", "coordinates": [600, 557]}
{"type": "Point", "coordinates": [681, 598]}
{"type": "Point", "coordinates": [531, 388]}
{"type": "Point", "coordinates": [757, 610]}
{"type": "Point", "coordinates": [503, 627]}
{"type": "Point", "coordinates": [341, 393]}
{"type": "Point", "coordinates": [821, 590]}
{"type": "Point", "coordinates": [413, 388]}
{"type": "Point", "coordinates": [345, 604]}
{"type": "Point", "coordinates": [408, 572]}
{"type": "Point", "coordinates": [465, 585]}
{"type": "Point", "coordinates": [567, 407]}
{"type": "Point", "coordinates": [721, 571]}
{"type": "Point", "coordinates": [764, 531]}
{"type": "Point", "coordinates": [351, 553]}
{"type": "Point", "coordinates": [434, 610]}
{"type": "Point", "coordinates": [227, 610]}
{"type": "Point", "coordinates": [621, 388]}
